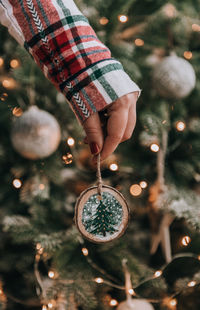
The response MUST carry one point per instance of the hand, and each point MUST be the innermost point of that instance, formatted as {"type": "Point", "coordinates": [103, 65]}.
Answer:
{"type": "Point", "coordinates": [119, 127]}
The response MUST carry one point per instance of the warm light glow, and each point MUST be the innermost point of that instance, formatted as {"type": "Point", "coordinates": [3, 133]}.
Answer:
{"type": "Point", "coordinates": [187, 54]}
{"type": "Point", "coordinates": [103, 21]}
{"type": "Point", "coordinates": [158, 273]}
{"type": "Point", "coordinates": [67, 158]}
{"type": "Point", "coordinates": [9, 83]}
{"type": "Point", "coordinates": [1, 292]}
{"type": "Point", "coordinates": [17, 183]}
{"type": "Point", "coordinates": [1, 61]}
{"type": "Point", "coordinates": [98, 280]}
{"type": "Point", "coordinates": [131, 291]}
{"type": "Point", "coordinates": [51, 274]}
{"type": "Point", "coordinates": [38, 246]}
{"type": "Point", "coordinates": [70, 141]}
{"type": "Point", "coordinates": [195, 27]}
{"type": "Point", "coordinates": [14, 63]}
{"type": "Point", "coordinates": [17, 111]}
{"type": "Point", "coordinates": [113, 167]}
{"type": "Point", "coordinates": [186, 240]}
{"type": "Point", "coordinates": [113, 302]}
{"type": "Point", "coordinates": [192, 283]}
{"type": "Point", "coordinates": [41, 187]}
{"type": "Point", "coordinates": [173, 302]}
{"type": "Point", "coordinates": [135, 190]}
{"type": "Point", "coordinates": [143, 184]}
{"type": "Point", "coordinates": [123, 18]}
{"type": "Point", "coordinates": [50, 305]}
{"type": "Point", "coordinates": [180, 126]}
{"type": "Point", "coordinates": [170, 10]}
{"type": "Point", "coordinates": [154, 147]}
{"type": "Point", "coordinates": [44, 307]}
{"type": "Point", "coordinates": [139, 42]}
{"type": "Point", "coordinates": [41, 250]}
{"type": "Point", "coordinates": [85, 251]}
{"type": "Point", "coordinates": [199, 257]}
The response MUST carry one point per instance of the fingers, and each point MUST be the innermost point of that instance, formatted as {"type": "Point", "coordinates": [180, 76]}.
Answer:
{"type": "Point", "coordinates": [93, 130]}
{"type": "Point", "coordinates": [116, 127]}
{"type": "Point", "coordinates": [131, 123]}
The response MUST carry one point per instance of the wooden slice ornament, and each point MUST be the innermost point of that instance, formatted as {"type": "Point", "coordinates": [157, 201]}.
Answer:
{"type": "Point", "coordinates": [101, 212]}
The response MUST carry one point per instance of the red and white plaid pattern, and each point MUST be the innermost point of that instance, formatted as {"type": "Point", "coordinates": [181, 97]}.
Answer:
{"type": "Point", "coordinates": [66, 48]}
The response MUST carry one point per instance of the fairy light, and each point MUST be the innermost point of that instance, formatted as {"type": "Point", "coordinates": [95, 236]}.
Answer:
{"type": "Point", "coordinates": [139, 42]}
{"type": "Point", "coordinates": [180, 126]}
{"type": "Point", "coordinates": [154, 147]}
{"type": "Point", "coordinates": [67, 158]}
{"type": "Point", "coordinates": [158, 273]}
{"type": "Point", "coordinates": [113, 302]}
{"type": "Point", "coordinates": [17, 183]}
{"type": "Point", "coordinates": [196, 27]}
{"type": "Point", "coordinates": [98, 280]}
{"type": "Point", "coordinates": [131, 291]}
{"type": "Point", "coordinates": [44, 307]}
{"type": "Point", "coordinates": [143, 184]}
{"type": "Point", "coordinates": [85, 251]}
{"type": "Point", "coordinates": [50, 305]}
{"type": "Point", "coordinates": [185, 240]}
{"type": "Point", "coordinates": [187, 54]}
{"type": "Point", "coordinates": [135, 190]}
{"type": "Point", "coordinates": [103, 20]}
{"type": "Point", "coordinates": [173, 302]}
{"type": "Point", "coordinates": [191, 283]}
{"type": "Point", "coordinates": [9, 83]}
{"type": "Point", "coordinates": [1, 61]}
{"type": "Point", "coordinates": [51, 274]}
{"type": "Point", "coordinates": [17, 111]}
{"type": "Point", "coordinates": [113, 167]}
{"type": "Point", "coordinates": [14, 63]}
{"type": "Point", "coordinates": [123, 18]}
{"type": "Point", "coordinates": [41, 187]}
{"type": "Point", "coordinates": [70, 141]}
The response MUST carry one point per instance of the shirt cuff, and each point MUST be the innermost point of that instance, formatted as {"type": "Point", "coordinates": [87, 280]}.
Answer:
{"type": "Point", "coordinates": [96, 87]}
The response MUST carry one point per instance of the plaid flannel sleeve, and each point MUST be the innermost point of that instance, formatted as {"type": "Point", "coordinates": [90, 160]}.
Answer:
{"type": "Point", "coordinates": [66, 48]}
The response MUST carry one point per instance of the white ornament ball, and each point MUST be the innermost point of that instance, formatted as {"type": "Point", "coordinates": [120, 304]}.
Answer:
{"type": "Point", "coordinates": [36, 134]}
{"type": "Point", "coordinates": [135, 304]}
{"type": "Point", "coordinates": [174, 77]}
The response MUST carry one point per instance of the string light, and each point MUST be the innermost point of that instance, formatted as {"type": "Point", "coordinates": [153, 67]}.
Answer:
{"type": "Point", "coordinates": [123, 18]}
{"type": "Point", "coordinates": [180, 126]}
{"type": "Point", "coordinates": [67, 158]}
{"type": "Point", "coordinates": [41, 187]}
{"type": "Point", "coordinates": [70, 141]}
{"type": "Point", "coordinates": [113, 302]}
{"type": "Point", "coordinates": [103, 21]}
{"type": "Point", "coordinates": [196, 27]}
{"type": "Point", "coordinates": [9, 83]}
{"type": "Point", "coordinates": [154, 147]}
{"type": "Point", "coordinates": [85, 251]}
{"type": "Point", "coordinates": [143, 184]}
{"type": "Point", "coordinates": [173, 302]}
{"type": "Point", "coordinates": [158, 273]}
{"type": "Point", "coordinates": [113, 167]}
{"type": "Point", "coordinates": [131, 291]}
{"type": "Point", "coordinates": [17, 183]}
{"type": "Point", "coordinates": [135, 190]}
{"type": "Point", "coordinates": [186, 240]}
{"type": "Point", "coordinates": [98, 280]}
{"type": "Point", "coordinates": [14, 63]}
{"type": "Point", "coordinates": [1, 61]}
{"type": "Point", "coordinates": [191, 283]}
{"type": "Point", "coordinates": [17, 111]}
{"type": "Point", "coordinates": [187, 54]}
{"type": "Point", "coordinates": [51, 274]}
{"type": "Point", "coordinates": [139, 42]}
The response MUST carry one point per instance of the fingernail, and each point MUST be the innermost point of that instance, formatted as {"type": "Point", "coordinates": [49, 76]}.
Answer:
{"type": "Point", "coordinates": [94, 148]}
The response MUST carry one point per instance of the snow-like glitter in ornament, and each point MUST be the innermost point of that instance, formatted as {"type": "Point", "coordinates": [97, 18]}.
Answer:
{"type": "Point", "coordinates": [102, 217]}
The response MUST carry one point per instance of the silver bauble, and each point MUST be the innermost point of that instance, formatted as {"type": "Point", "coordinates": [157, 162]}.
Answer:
{"type": "Point", "coordinates": [36, 134]}
{"type": "Point", "coordinates": [174, 77]}
{"type": "Point", "coordinates": [135, 304]}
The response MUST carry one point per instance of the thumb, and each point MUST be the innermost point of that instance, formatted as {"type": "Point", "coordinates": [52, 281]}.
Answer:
{"type": "Point", "coordinates": [94, 133]}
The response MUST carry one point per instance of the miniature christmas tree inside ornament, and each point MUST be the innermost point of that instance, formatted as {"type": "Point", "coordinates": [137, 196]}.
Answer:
{"type": "Point", "coordinates": [101, 212]}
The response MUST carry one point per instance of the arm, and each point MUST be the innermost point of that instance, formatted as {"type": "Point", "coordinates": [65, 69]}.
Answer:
{"type": "Point", "coordinates": [66, 48]}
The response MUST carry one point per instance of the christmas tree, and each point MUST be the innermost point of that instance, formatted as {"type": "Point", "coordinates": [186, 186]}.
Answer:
{"type": "Point", "coordinates": [44, 261]}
